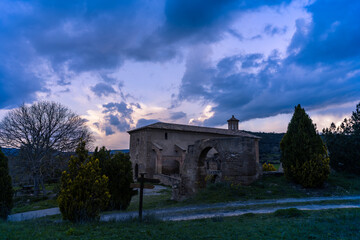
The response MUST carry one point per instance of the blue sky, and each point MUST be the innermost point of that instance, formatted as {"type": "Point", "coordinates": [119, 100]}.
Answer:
{"type": "Point", "coordinates": [123, 64]}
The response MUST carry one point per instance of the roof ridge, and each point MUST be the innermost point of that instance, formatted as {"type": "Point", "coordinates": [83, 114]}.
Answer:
{"type": "Point", "coordinates": [194, 128]}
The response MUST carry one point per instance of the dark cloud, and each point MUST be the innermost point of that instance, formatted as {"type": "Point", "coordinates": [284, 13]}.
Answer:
{"type": "Point", "coordinates": [333, 36]}
{"type": "Point", "coordinates": [256, 37]}
{"type": "Point", "coordinates": [122, 108]}
{"type": "Point", "coordinates": [16, 88]}
{"type": "Point", "coordinates": [177, 115]}
{"type": "Point", "coordinates": [121, 123]}
{"type": "Point", "coordinates": [95, 35]}
{"type": "Point", "coordinates": [102, 89]}
{"type": "Point", "coordinates": [205, 18]}
{"type": "Point", "coordinates": [144, 122]}
{"type": "Point", "coordinates": [235, 34]}
{"type": "Point", "coordinates": [197, 76]}
{"type": "Point", "coordinates": [272, 30]}
{"type": "Point", "coordinates": [118, 116]}
{"type": "Point", "coordinates": [97, 124]}
{"type": "Point", "coordinates": [322, 68]}
{"type": "Point", "coordinates": [137, 105]}
{"type": "Point", "coordinates": [108, 131]}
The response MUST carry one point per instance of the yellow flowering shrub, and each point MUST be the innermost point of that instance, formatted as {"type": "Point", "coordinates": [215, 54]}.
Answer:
{"type": "Point", "coordinates": [84, 191]}
{"type": "Point", "coordinates": [268, 167]}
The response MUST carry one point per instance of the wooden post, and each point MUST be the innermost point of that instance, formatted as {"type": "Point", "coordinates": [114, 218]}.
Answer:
{"type": "Point", "coordinates": [141, 195]}
{"type": "Point", "coordinates": [143, 185]}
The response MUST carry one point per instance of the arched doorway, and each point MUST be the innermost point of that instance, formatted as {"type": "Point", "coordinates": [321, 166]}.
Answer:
{"type": "Point", "coordinates": [208, 166]}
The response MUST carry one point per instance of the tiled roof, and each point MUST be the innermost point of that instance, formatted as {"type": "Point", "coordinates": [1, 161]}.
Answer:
{"type": "Point", "coordinates": [190, 128]}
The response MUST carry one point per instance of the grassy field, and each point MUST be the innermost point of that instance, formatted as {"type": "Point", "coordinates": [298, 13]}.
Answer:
{"type": "Point", "coordinates": [274, 187]}
{"type": "Point", "coordinates": [25, 203]}
{"type": "Point", "coordinates": [283, 224]}
{"type": "Point", "coordinates": [268, 187]}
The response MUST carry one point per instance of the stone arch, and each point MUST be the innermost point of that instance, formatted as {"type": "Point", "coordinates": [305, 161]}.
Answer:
{"type": "Point", "coordinates": [238, 161]}
{"type": "Point", "coordinates": [203, 148]}
{"type": "Point", "coordinates": [201, 172]}
{"type": "Point", "coordinates": [207, 165]}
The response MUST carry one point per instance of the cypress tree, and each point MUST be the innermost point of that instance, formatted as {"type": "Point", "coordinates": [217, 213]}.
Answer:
{"type": "Point", "coordinates": [118, 169]}
{"type": "Point", "coordinates": [6, 190]}
{"type": "Point", "coordinates": [303, 153]}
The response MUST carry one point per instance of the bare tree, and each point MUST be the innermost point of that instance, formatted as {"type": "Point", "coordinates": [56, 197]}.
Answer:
{"type": "Point", "coordinates": [42, 131]}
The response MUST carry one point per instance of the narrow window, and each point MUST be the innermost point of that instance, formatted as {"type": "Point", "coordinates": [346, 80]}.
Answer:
{"type": "Point", "coordinates": [166, 136]}
{"type": "Point", "coordinates": [136, 171]}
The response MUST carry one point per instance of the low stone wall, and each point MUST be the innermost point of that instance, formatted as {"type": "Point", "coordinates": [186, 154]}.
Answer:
{"type": "Point", "coordinates": [167, 180]}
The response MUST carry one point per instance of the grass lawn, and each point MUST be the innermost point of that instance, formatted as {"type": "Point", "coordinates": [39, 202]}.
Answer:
{"type": "Point", "coordinates": [268, 187]}
{"type": "Point", "coordinates": [283, 224]}
{"type": "Point", "coordinates": [274, 187]}
{"type": "Point", "coordinates": [25, 203]}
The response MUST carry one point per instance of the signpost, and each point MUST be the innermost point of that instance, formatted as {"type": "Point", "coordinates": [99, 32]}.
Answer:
{"type": "Point", "coordinates": [143, 185]}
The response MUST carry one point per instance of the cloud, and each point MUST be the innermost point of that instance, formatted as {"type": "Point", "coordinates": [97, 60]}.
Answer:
{"type": "Point", "coordinates": [235, 34]}
{"type": "Point", "coordinates": [272, 30]}
{"type": "Point", "coordinates": [203, 17]}
{"type": "Point", "coordinates": [122, 108]}
{"type": "Point", "coordinates": [322, 68]}
{"type": "Point", "coordinates": [102, 89]}
{"type": "Point", "coordinates": [16, 88]}
{"type": "Point", "coordinates": [108, 131]}
{"type": "Point", "coordinates": [121, 123]}
{"type": "Point", "coordinates": [177, 115]}
{"type": "Point", "coordinates": [144, 122]}
{"type": "Point", "coordinates": [333, 35]}
{"type": "Point", "coordinates": [118, 116]}
{"type": "Point", "coordinates": [72, 37]}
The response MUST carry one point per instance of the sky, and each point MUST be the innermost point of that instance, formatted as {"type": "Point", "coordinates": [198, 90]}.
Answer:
{"type": "Point", "coordinates": [126, 64]}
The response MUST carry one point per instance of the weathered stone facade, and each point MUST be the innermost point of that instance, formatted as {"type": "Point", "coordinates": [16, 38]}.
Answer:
{"type": "Point", "coordinates": [184, 156]}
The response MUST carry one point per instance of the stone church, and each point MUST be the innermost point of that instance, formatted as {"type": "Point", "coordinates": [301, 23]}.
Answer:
{"type": "Point", "coordinates": [187, 156]}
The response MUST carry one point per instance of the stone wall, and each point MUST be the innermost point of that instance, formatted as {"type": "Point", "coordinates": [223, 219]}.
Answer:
{"type": "Point", "coordinates": [238, 157]}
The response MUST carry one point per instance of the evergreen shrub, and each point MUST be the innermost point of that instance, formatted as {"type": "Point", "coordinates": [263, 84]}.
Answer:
{"type": "Point", "coordinates": [84, 190]}
{"type": "Point", "coordinates": [6, 190]}
{"type": "Point", "coordinates": [303, 153]}
{"type": "Point", "coordinates": [118, 169]}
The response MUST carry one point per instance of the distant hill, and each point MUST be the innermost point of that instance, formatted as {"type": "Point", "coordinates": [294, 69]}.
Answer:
{"type": "Point", "coordinates": [14, 151]}
{"type": "Point", "coordinates": [121, 150]}
{"type": "Point", "coordinates": [269, 146]}
{"type": "Point", "coordinates": [10, 151]}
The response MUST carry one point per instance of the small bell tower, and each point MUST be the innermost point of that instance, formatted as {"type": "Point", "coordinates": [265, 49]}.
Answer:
{"type": "Point", "coordinates": [233, 123]}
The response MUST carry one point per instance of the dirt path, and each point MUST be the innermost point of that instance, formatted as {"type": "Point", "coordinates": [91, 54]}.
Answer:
{"type": "Point", "coordinates": [210, 210]}
{"type": "Point", "coordinates": [229, 209]}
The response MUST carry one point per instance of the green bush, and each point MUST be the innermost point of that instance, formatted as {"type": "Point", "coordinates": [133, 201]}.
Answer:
{"type": "Point", "coordinates": [303, 154]}
{"type": "Point", "coordinates": [84, 191]}
{"type": "Point", "coordinates": [6, 190]}
{"type": "Point", "coordinates": [267, 167]}
{"type": "Point", "coordinates": [119, 171]}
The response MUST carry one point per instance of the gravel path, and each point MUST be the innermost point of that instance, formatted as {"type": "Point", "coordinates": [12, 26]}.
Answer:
{"type": "Point", "coordinates": [203, 211]}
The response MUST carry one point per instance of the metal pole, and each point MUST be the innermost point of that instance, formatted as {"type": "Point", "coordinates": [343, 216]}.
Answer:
{"type": "Point", "coordinates": [141, 195]}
